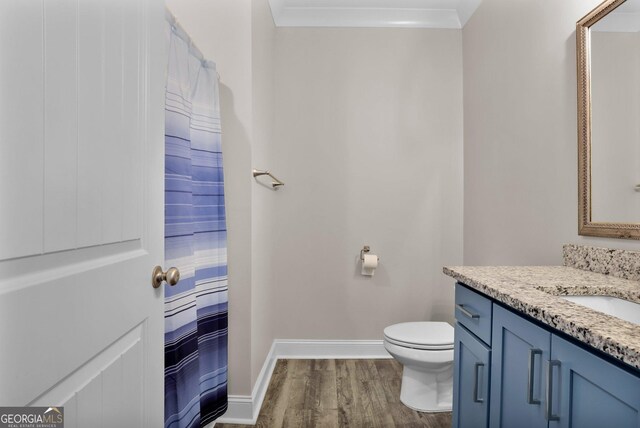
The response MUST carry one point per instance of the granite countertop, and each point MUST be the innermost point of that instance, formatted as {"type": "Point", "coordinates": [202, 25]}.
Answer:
{"type": "Point", "coordinates": [535, 291]}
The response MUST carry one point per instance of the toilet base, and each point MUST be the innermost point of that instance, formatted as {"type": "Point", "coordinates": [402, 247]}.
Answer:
{"type": "Point", "coordinates": [427, 391]}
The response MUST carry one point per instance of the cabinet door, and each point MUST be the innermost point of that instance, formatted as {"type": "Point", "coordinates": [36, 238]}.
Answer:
{"type": "Point", "coordinates": [517, 381]}
{"type": "Point", "coordinates": [470, 380]}
{"type": "Point", "coordinates": [588, 391]}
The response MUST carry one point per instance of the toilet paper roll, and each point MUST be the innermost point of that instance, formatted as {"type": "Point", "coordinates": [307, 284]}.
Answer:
{"type": "Point", "coordinates": [370, 261]}
{"type": "Point", "coordinates": [369, 264]}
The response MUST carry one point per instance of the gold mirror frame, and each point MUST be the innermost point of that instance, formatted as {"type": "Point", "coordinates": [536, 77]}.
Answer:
{"type": "Point", "coordinates": [583, 46]}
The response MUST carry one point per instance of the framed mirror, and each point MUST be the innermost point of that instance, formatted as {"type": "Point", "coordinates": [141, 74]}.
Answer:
{"type": "Point", "coordinates": [608, 54]}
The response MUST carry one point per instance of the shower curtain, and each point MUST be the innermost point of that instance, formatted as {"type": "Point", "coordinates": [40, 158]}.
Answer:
{"type": "Point", "coordinates": [195, 242]}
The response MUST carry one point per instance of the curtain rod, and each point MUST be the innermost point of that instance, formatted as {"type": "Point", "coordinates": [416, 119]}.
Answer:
{"type": "Point", "coordinates": [180, 32]}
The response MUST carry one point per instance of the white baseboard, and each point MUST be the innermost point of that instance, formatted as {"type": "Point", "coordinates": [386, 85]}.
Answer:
{"type": "Point", "coordinates": [244, 409]}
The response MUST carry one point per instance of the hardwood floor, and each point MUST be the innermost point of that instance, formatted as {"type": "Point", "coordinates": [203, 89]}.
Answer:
{"type": "Point", "coordinates": [339, 393]}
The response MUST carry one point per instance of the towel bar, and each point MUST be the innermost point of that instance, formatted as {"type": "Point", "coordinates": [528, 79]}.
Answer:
{"type": "Point", "coordinates": [275, 183]}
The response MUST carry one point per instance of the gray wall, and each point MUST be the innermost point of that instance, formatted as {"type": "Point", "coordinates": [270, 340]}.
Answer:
{"type": "Point", "coordinates": [520, 149]}
{"type": "Point", "coordinates": [263, 199]}
{"type": "Point", "coordinates": [368, 136]}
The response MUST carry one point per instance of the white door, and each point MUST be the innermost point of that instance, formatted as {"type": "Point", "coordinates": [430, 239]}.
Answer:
{"type": "Point", "coordinates": [81, 208]}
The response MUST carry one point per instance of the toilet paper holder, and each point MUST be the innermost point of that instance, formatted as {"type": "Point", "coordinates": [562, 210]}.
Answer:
{"type": "Point", "coordinates": [365, 250]}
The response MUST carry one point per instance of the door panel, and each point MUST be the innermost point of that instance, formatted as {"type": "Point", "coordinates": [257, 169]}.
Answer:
{"type": "Point", "coordinates": [91, 121]}
{"type": "Point", "coordinates": [74, 318]}
{"type": "Point", "coordinates": [591, 392]}
{"type": "Point", "coordinates": [127, 349]}
{"type": "Point", "coordinates": [112, 187]}
{"type": "Point", "coordinates": [60, 125]}
{"type": "Point", "coordinates": [81, 214]}
{"type": "Point", "coordinates": [113, 402]}
{"type": "Point", "coordinates": [131, 152]}
{"type": "Point", "coordinates": [520, 349]}
{"type": "Point", "coordinates": [21, 128]}
{"type": "Point", "coordinates": [470, 380]}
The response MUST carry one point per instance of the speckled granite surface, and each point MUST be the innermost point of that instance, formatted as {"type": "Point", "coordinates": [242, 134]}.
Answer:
{"type": "Point", "coordinates": [535, 290]}
{"type": "Point", "coordinates": [621, 263]}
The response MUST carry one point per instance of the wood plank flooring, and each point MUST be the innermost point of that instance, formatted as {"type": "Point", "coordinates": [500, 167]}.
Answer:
{"type": "Point", "coordinates": [339, 393]}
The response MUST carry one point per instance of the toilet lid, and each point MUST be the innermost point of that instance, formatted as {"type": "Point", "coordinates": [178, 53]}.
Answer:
{"type": "Point", "coordinates": [421, 335]}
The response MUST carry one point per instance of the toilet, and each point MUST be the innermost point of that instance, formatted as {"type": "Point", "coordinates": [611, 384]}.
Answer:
{"type": "Point", "coordinates": [425, 349]}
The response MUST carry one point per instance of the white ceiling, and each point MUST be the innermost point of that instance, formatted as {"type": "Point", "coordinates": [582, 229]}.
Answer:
{"type": "Point", "coordinates": [373, 13]}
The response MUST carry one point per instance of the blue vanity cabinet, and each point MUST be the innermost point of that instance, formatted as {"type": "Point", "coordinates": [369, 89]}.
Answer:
{"type": "Point", "coordinates": [520, 350]}
{"type": "Point", "coordinates": [470, 380]}
{"type": "Point", "coordinates": [587, 391]}
{"type": "Point", "coordinates": [528, 375]}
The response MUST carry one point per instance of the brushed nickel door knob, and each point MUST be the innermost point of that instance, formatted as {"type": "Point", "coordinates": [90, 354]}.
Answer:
{"type": "Point", "coordinates": [171, 276]}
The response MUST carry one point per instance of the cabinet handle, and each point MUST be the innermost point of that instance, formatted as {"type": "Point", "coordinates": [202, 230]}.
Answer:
{"type": "Point", "coordinates": [476, 383]}
{"type": "Point", "coordinates": [549, 411]}
{"type": "Point", "coordinates": [532, 360]}
{"type": "Point", "coordinates": [466, 311]}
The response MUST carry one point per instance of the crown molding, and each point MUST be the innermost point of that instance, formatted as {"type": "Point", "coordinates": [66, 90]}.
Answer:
{"type": "Point", "coordinates": [373, 13]}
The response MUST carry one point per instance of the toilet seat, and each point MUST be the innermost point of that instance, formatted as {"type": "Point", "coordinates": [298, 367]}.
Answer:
{"type": "Point", "coordinates": [431, 335]}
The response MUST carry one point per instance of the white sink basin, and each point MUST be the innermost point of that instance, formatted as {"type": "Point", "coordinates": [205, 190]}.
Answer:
{"type": "Point", "coordinates": [623, 309]}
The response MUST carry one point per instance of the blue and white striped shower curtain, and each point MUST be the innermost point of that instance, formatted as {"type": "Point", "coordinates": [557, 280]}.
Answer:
{"type": "Point", "coordinates": [195, 242]}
